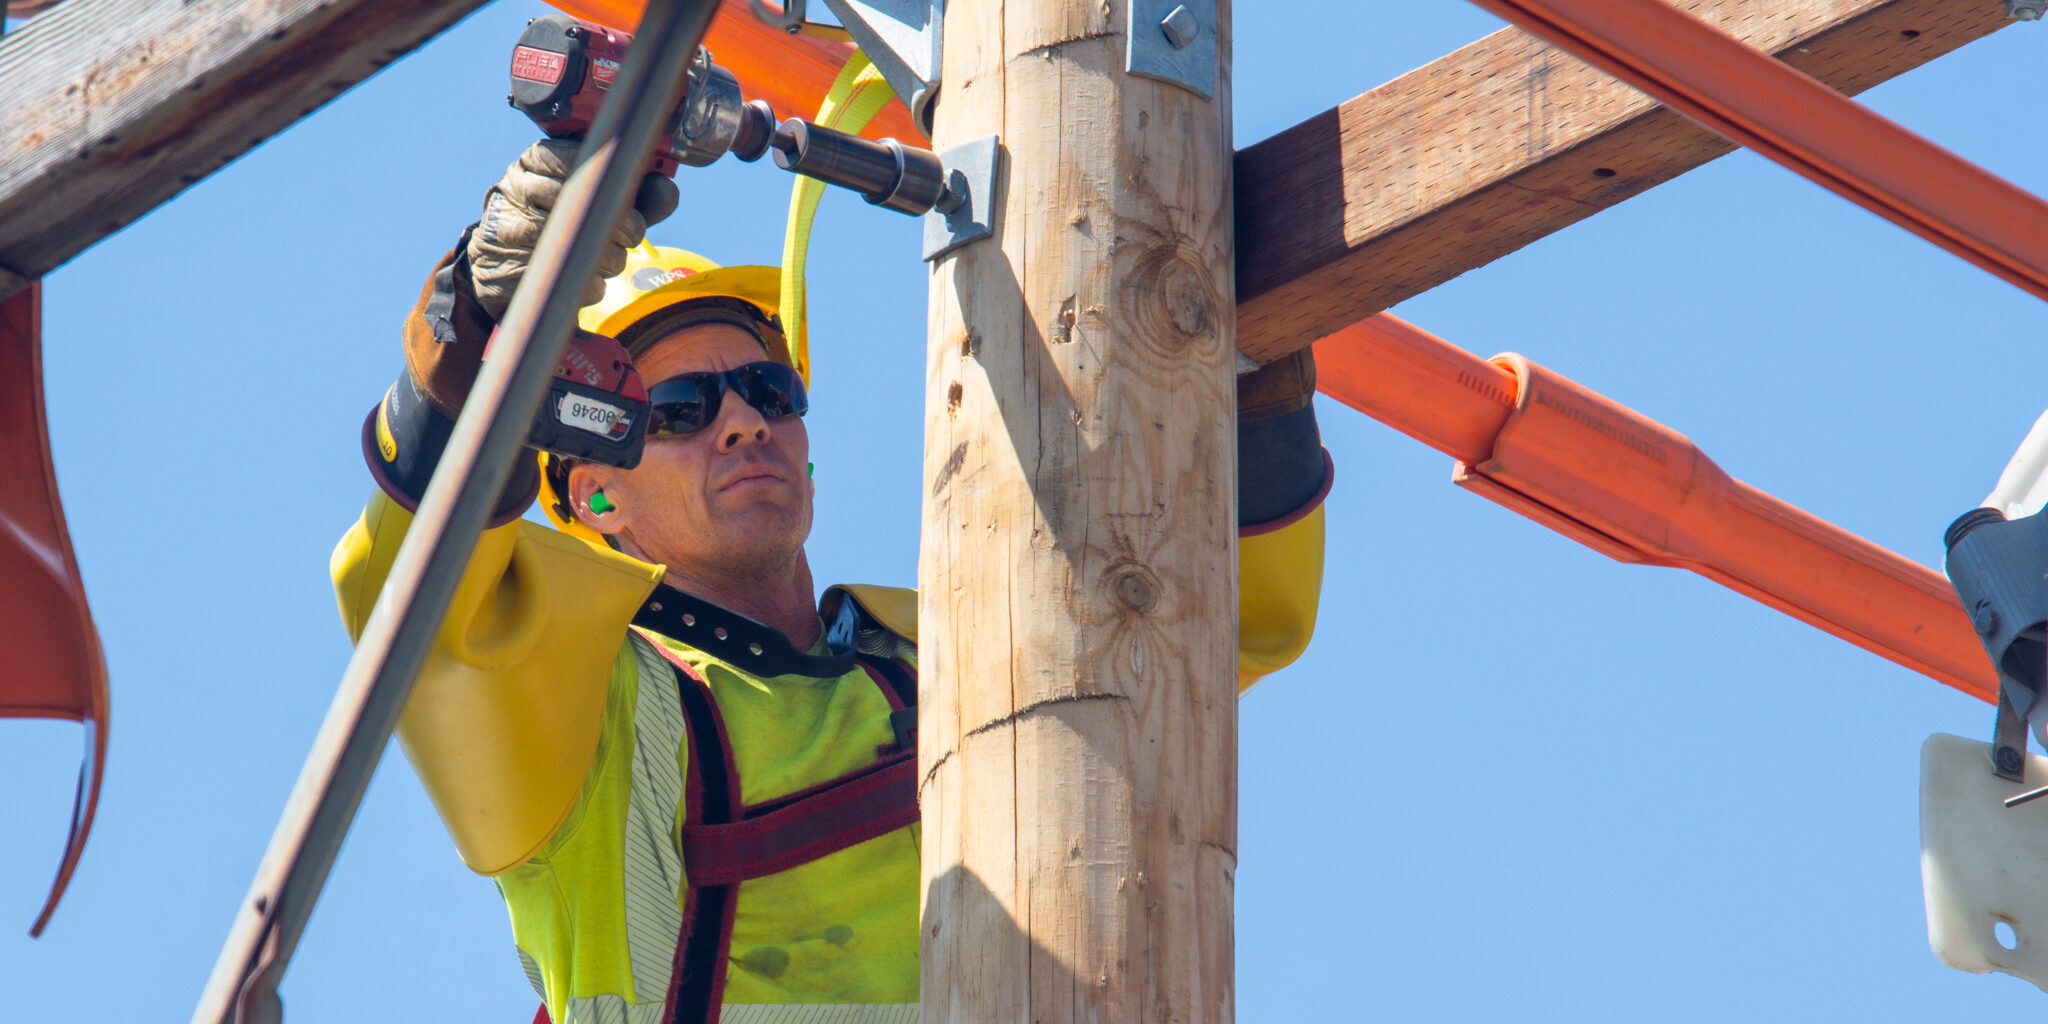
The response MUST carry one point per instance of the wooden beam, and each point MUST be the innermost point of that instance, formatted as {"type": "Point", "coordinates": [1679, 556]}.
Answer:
{"type": "Point", "coordinates": [1500, 143]}
{"type": "Point", "coordinates": [1078, 587]}
{"type": "Point", "coordinates": [111, 107]}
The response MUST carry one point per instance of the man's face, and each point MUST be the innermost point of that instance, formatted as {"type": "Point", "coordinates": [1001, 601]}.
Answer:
{"type": "Point", "coordinates": [732, 499]}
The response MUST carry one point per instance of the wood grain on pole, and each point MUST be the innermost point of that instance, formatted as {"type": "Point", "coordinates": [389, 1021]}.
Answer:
{"type": "Point", "coordinates": [1078, 603]}
{"type": "Point", "coordinates": [111, 107]}
{"type": "Point", "coordinates": [1500, 143]}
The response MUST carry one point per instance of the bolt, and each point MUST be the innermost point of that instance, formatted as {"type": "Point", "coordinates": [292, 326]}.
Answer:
{"type": "Point", "coordinates": [2026, 10]}
{"type": "Point", "coordinates": [2007, 759]}
{"type": "Point", "coordinates": [1984, 618]}
{"type": "Point", "coordinates": [1181, 27]}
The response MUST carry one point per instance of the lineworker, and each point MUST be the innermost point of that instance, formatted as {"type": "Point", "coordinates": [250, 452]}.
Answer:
{"type": "Point", "coordinates": [603, 695]}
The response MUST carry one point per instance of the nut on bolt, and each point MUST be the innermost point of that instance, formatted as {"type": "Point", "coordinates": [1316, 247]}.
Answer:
{"type": "Point", "coordinates": [2026, 10]}
{"type": "Point", "coordinates": [2007, 759]}
{"type": "Point", "coordinates": [1181, 28]}
{"type": "Point", "coordinates": [1984, 618]}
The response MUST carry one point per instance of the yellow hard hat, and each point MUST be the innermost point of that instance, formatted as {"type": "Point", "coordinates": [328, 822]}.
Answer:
{"type": "Point", "coordinates": [657, 278]}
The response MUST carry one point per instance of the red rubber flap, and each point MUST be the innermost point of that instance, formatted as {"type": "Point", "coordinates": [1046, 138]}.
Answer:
{"type": "Point", "coordinates": [57, 669]}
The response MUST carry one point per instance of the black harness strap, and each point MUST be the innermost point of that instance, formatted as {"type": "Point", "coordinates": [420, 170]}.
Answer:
{"type": "Point", "coordinates": [733, 638]}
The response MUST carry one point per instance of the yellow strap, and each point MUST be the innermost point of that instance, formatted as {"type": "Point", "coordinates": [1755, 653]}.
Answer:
{"type": "Point", "coordinates": [857, 95]}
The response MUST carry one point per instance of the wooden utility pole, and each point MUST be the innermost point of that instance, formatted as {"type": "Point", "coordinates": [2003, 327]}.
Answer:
{"type": "Point", "coordinates": [1079, 598]}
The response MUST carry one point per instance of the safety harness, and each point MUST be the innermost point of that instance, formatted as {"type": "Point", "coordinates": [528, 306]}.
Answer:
{"type": "Point", "coordinates": [726, 842]}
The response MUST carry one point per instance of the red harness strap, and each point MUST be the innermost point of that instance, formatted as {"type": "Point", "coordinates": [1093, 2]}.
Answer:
{"type": "Point", "coordinates": [825, 819]}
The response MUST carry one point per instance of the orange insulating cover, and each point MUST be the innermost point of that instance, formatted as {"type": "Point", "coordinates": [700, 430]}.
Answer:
{"type": "Point", "coordinates": [1638, 491]}
{"type": "Point", "coordinates": [793, 73]}
{"type": "Point", "coordinates": [57, 670]}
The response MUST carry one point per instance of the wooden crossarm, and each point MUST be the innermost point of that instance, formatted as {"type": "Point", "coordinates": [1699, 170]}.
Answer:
{"type": "Point", "coordinates": [1502, 142]}
{"type": "Point", "coordinates": [111, 107]}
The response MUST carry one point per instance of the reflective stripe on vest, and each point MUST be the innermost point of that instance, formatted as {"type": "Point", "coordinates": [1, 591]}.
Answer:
{"type": "Point", "coordinates": [819, 1013]}
{"type": "Point", "coordinates": [613, 1010]}
{"type": "Point", "coordinates": [653, 869]}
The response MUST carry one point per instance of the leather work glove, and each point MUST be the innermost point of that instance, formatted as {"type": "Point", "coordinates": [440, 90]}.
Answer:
{"type": "Point", "coordinates": [515, 208]}
{"type": "Point", "coordinates": [446, 332]}
{"type": "Point", "coordinates": [1281, 471]}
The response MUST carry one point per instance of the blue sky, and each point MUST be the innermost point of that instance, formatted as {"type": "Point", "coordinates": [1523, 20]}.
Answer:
{"type": "Point", "coordinates": [1511, 780]}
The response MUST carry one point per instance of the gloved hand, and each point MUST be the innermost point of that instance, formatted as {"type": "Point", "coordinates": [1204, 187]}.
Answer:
{"type": "Point", "coordinates": [1281, 471]}
{"type": "Point", "coordinates": [516, 207]}
{"type": "Point", "coordinates": [448, 329]}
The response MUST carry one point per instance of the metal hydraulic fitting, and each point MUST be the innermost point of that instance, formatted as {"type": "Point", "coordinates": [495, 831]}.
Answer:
{"type": "Point", "coordinates": [888, 173]}
{"type": "Point", "coordinates": [2000, 571]}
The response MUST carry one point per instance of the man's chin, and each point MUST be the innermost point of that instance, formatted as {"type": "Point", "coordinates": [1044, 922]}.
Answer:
{"type": "Point", "coordinates": [762, 525]}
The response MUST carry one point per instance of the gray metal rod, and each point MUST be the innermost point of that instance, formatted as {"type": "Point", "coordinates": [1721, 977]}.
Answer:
{"type": "Point", "coordinates": [488, 437]}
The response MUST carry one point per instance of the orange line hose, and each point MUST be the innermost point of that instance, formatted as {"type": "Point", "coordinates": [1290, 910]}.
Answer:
{"type": "Point", "coordinates": [1638, 491]}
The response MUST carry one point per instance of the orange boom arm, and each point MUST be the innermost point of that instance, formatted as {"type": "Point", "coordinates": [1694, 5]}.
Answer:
{"type": "Point", "coordinates": [792, 73]}
{"type": "Point", "coordinates": [1638, 491]}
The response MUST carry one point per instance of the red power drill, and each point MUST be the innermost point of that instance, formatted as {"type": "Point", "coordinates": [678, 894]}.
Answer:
{"type": "Point", "coordinates": [563, 67]}
{"type": "Point", "coordinates": [596, 408]}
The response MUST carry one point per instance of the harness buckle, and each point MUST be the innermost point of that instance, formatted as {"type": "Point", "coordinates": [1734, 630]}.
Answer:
{"type": "Point", "coordinates": [903, 725]}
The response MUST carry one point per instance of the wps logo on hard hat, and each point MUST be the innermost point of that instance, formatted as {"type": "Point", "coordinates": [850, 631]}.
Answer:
{"type": "Point", "coordinates": [650, 278]}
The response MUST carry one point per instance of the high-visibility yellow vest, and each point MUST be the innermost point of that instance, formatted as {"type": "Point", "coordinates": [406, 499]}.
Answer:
{"type": "Point", "coordinates": [838, 933]}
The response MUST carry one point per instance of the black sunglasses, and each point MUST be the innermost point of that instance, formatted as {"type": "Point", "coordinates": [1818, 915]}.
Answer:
{"type": "Point", "coordinates": [690, 402]}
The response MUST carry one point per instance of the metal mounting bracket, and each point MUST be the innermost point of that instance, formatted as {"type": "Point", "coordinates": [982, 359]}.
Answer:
{"type": "Point", "coordinates": [1173, 41]}
{"type": "Point", "coordinates": [970, 170]}
{"type": "Point", "coordinates": [2009, 739]}
{"type": "Point", "coordinates": [791, 19]}
{"type": "Point", "coordinates": [902, 37]}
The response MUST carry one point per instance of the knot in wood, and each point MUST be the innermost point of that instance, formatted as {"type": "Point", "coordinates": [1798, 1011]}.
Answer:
{"type": "Point", "coordinates": [1174, 298]}
{"type": "Point", "coordinates": [1134, 591]}
{"type": "Point", "coordinates": [1187, 299]}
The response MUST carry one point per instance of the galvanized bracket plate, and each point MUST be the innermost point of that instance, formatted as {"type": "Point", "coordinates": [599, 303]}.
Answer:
{"type": "Point", "coordinates": [902, 37]}
{"type": "Point", "coordinates": [970, 170]}
{"type": "Point", "coordinates": [1983, 862]}
{"type": "Point", "coordinates": [1174, 41]}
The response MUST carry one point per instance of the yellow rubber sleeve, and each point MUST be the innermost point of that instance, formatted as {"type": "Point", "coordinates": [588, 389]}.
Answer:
{"type": "Point", "coordinates": [1280, 585]}
{"type": "Point", "coordinates": [894, 607]}
{"type": "Point", "coordinates": [504, 720]}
